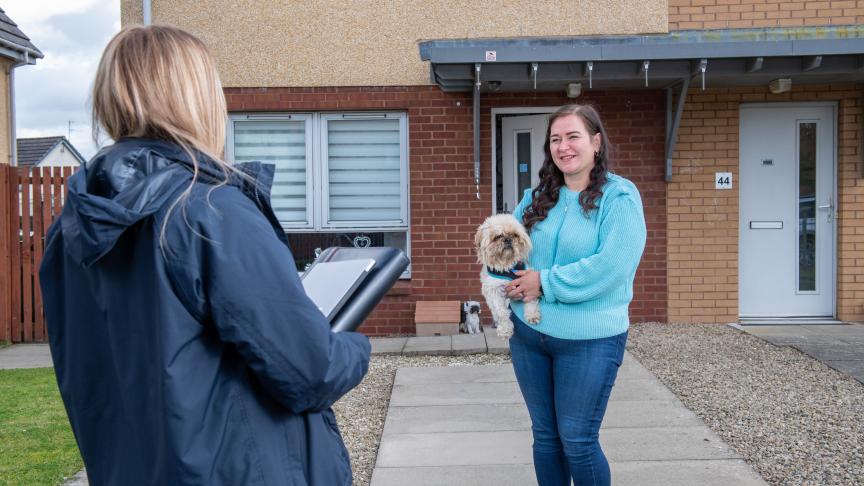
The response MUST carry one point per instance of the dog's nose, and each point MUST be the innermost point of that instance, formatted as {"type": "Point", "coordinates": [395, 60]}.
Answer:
{"type": "Point", "coordinates": [508, 241]}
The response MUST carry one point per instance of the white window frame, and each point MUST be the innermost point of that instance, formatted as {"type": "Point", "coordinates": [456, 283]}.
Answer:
{"type": "Point", "coordinates": [323, 189]}
{"type": "Point", "coordinates": [317, 189]}
{"type": "Point", "coordinates": [307, 118]}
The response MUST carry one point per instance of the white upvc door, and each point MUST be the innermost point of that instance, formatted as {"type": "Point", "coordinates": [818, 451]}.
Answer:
{"type": "Point", "coordinates": [787, 263]}
{"type": "Point", "coordinates": [522, 139]}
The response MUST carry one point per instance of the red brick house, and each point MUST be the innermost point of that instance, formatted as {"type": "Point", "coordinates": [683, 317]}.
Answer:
{"type": "Point", "coordinates": [407, 123]}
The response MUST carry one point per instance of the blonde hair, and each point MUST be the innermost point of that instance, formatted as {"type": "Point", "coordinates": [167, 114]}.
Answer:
{"type": "Point", "coordinates": [161, 82]}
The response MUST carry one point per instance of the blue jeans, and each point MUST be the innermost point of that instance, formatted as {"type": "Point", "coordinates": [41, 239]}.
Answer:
{"type": "Point", "coordinates": [566, 384]}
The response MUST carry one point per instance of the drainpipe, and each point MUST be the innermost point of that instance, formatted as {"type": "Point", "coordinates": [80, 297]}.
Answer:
{"type": "Point", "coordinates": [145, 7]}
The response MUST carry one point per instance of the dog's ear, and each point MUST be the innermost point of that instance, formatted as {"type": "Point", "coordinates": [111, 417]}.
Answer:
{"type": "Point", "coordinates": [479, 236]}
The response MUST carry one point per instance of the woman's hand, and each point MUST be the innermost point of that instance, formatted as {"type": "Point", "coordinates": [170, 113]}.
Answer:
{"type": "Point", "coordinates": [526, 287]}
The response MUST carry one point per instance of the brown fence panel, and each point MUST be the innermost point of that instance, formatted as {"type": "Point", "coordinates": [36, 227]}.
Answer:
{"type": "Point", "coordinates": [26, 253]}
{"type": "Point", "coordinates": [38, 247]}
{"type": "Point", "coordinates": [30, 201]}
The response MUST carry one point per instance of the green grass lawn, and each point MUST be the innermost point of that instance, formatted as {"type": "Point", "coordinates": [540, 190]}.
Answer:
{"type": "Point", "coordinates": [36, 442]}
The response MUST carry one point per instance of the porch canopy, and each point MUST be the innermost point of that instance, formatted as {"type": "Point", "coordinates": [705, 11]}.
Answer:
{"type": "Point", "coordinates": [674, 62]}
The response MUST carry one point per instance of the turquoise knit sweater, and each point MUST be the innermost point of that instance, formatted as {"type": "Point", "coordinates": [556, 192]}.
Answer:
{"type": "Point", "coordinates": [587, 263]}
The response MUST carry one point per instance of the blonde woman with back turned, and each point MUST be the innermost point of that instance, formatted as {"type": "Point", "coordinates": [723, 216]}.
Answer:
{"type": "Point", "coordinates": [185, 349]}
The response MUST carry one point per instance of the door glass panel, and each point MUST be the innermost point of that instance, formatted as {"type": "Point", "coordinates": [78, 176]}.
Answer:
{"type": "Point", "coordinates": [523, 163]}
{"type": "Point", "coordinates": [807, 206]}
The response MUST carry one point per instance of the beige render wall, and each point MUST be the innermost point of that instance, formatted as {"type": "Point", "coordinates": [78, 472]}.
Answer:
{"type": "Point", "coordinates": [5, 112]}
{"type": "Point", "coordinates": [702, 232]}
{"type": "Point", "coordinates": [265, 43]}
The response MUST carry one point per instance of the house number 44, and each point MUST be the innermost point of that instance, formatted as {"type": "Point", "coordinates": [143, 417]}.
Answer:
{"type": "Point", "coordinates": [723, 180]}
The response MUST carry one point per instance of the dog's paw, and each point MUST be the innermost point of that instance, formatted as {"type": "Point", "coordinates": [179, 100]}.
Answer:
{"type": "Point", "coordinates": [504, 330]}
{"type": "Point", "coordinates": [532, 312]}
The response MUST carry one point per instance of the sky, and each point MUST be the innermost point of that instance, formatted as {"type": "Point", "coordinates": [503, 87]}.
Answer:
{"type": "Point", "coordinates": [71, 34]}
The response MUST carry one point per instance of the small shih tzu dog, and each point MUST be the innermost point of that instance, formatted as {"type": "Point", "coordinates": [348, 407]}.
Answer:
{"type": "Point", "coordinates": [502, 246]}
{"type": "Point", "coordinates": [470, 317]}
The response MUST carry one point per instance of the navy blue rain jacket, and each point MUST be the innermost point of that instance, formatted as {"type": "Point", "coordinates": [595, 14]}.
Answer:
{"type": "Point", "coordinates": [199, 361]}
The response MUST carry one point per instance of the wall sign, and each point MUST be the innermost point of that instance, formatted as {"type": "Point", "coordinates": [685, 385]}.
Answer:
{"type": "Point", "coordinates": [723, 180]}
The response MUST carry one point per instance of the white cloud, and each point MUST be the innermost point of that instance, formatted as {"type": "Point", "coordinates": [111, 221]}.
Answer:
{"type": "Point", "coordinates": [72, 35]}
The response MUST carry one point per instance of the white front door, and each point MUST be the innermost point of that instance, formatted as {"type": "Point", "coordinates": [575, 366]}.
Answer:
{"type": "Point", "coordinates": [522, 139]}
{"type": "Point", "coordinates": [787, 210]}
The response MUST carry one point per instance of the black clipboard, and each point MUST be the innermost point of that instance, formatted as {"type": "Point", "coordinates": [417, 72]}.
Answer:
{"type": "Point", "coordinates": [389, 265]}
{"type": "Point", "coordinates": [331, 284]}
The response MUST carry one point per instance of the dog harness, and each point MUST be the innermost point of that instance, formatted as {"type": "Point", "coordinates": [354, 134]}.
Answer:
{"type": "Point", "coordinates": [508, 274]}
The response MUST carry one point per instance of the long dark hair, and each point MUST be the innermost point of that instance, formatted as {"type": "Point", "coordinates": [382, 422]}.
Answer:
{"type": "Point", "coordinates": [545, 195]}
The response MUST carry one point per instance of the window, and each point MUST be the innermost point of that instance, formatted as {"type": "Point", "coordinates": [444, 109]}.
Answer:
{"type": "Point", "coordinates": [341, 178]}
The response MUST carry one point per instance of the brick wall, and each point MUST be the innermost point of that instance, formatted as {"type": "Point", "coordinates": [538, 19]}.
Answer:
{"type": "Point", "coordinates": [703, 222]}
{"type": "Point", "coordinates": [737, 14]}
{"type": "Point", "coordinates": [444, 209]}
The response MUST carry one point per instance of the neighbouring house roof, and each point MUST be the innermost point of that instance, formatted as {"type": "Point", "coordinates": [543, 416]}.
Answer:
{"type": "Point", "coordinates": [732, 57]}
{"type": "Point", "coordinates": [14, 43]}
{"type": "Point", "coordinates": [31, 151]}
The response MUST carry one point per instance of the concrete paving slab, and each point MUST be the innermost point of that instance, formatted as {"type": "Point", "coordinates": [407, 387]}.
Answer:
{"type": "Point", "coordinates": [664, 443]}
{"type": "Point", "coordinates": [455, 394]}
{"type": "Point", "coordinates": [495, 344]}
{"type": "Point", "coordinates": [491, 417]}
{"type": "Point", "coordinates": [651, 413]}
{"type": "Point", "coordinates": [428, 345]}
{"type": "Point", "coordinates": [497, 475]}
{"type": "Point", "coordinates": [388, 346]}
{"type": "Point", "coordinates": [837, 330]}
{"type": "Point", "coordinates": [776, 330]}
{"type": "Point", "coordinates": [457, 418]}
{"type": "Point", "coordinates": [79, 479]}
{"type": "Point", "coordinates": [853, 368]}
{"type": "Point", "coordinates": [807, 339]}
{"type": "Point", "coordinates": [626, 390]}
{"type": "Point", "coordinates": [456, 449]}
{"type": "Point", "coordinates": [25, 356]}
{"type": "Point", "coordinates": [469, 343]}
{"type": "Point", "coordinates": [633, 370]}
{"type": "Point", "coordinates": [723, 472]}
{"type": "Point", "coordinates": [832, 352]}
{"type": "Point", "coordinates": [455, 374]}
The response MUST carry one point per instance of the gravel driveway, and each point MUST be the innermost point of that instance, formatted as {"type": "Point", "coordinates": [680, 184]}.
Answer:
{"type": "Point", "coordinates": [794, 419]}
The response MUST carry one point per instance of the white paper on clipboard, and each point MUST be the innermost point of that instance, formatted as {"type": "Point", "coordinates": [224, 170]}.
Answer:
{"type": "Point", "coordinates": [330, 284]}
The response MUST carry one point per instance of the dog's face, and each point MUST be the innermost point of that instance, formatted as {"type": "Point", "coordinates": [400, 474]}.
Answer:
{"type": "Point", "coordinates": [471, 307]}
{"type": "Point", "coordinates": [501, 242]}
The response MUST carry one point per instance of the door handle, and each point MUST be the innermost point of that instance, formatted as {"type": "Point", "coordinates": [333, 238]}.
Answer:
{"type": "Point", "coordinates": [830, 208]}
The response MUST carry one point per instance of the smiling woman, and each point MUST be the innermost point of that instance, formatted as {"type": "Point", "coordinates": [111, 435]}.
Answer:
{"type": "Point", "coordinates": [583, 264]}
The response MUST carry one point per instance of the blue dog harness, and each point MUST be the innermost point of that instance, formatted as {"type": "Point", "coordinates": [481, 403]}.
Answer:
{"type": "Point", "coordinates": [508, 274]}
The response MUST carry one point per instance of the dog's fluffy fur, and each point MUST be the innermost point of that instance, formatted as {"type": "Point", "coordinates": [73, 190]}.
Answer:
{"type": "Point", "coordinates": [470, 317]}
{"type": "Point", "coordinates": [501, 242]}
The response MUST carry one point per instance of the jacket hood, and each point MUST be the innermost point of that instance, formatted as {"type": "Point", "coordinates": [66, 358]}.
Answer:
{"type": "Point", "coordinates": [129, 181]}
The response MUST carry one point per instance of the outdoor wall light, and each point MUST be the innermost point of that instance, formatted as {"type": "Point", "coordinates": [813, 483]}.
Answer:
{"type": "Point", "coordinates": [574, 90]}
{"type": "Point", "coordinates": [780, 85]}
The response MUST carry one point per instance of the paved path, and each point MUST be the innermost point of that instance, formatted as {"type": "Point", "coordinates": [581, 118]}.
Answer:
{"type": "Point", "coordinates": [469, 425]}
{"type": "Point", "coordinates": [840, 346]}
{"type": "Point", "coordinates": [25, 356]}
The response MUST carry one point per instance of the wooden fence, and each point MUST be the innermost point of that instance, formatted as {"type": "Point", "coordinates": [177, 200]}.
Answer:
{"type": "Point", "coordinates": [30, 200]}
